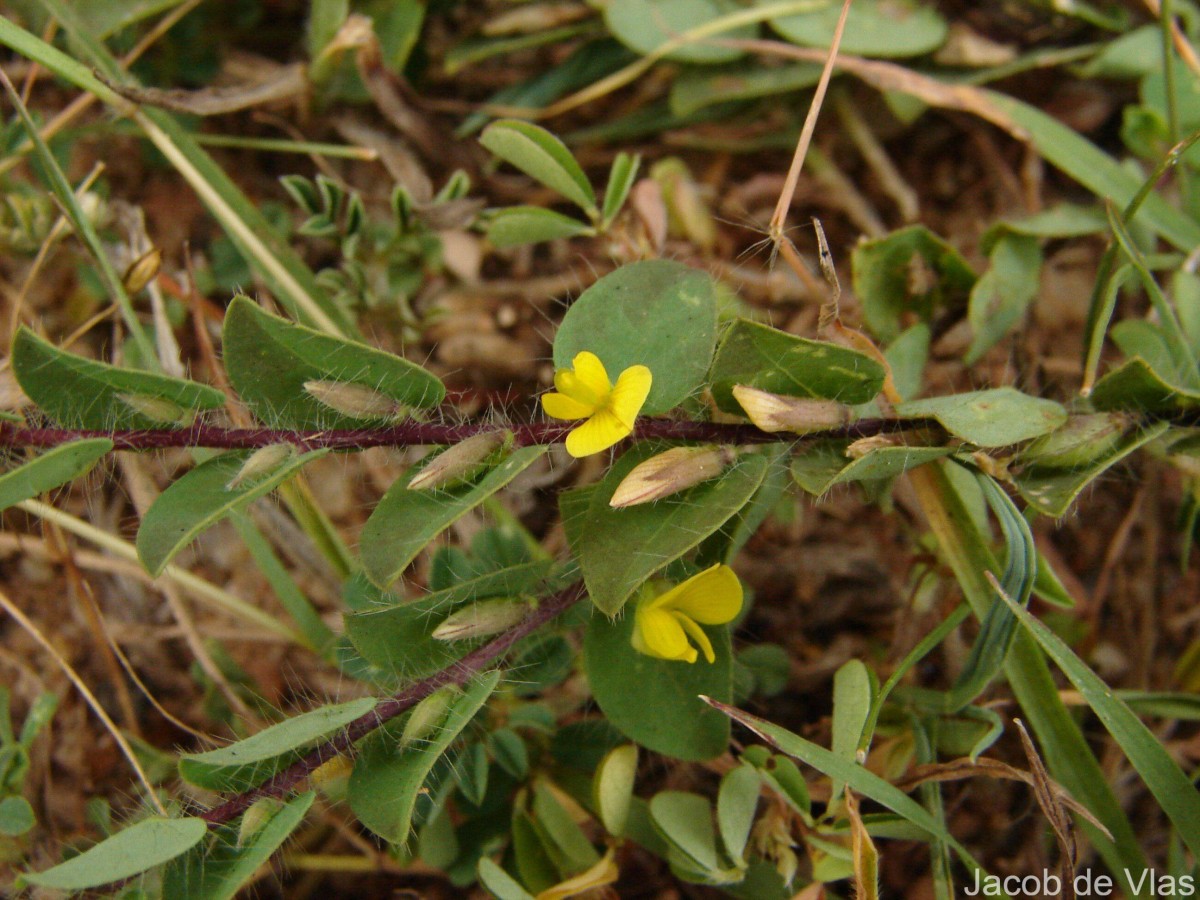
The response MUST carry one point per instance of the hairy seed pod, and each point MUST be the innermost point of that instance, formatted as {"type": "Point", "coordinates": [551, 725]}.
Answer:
{"type": "Point", "coordinates": [460, 461]}
{"type": "Point", "coordinates": [1083, 440]}
{"type": "Point", "coordinates": [427, 716]}
{"type": "Point", "coordinates": [481, 619]}
{"type": "Point", "coordinates": [256, 816]}
{"type": "Point", "coordinates": [355, 400]}
{"type": "Point", "coordinates": [158, 409]}
{"type": "Point", "coordinates": [669, 473]}
{"type": "Point", "coordinates": [262, 461]}
{"type": "Point", "coordinates": [799, 415]}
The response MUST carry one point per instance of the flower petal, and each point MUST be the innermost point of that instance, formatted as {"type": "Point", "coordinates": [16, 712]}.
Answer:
{"type": "Point", "coordinates": [568, 383]}
{"type": "Point", "coordinates": [598, 433]}
{"type": "Point", "coordinates": [591, 373]}
{"type": "Point", "coordinates": [696, 633]}
{"type": "Point", "coordinates": [629, 395]}
{"type": "Point", "coordinates": [713, 597]}
{"type": "Point", "coordinates": [560, 406]}
{"type": "Point", "coordinates": [658, 633]}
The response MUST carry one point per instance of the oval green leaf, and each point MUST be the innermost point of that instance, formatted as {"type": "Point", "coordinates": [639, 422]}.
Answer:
{"type": "Point", "coordinates": [656, 313]}
{"type": "Point", "coordinates": [246, 762]}
{"type": "Point", "coordinates": [387, 779]}
{"type": "Point", "coordinates": [269, 359]}
{"type": "Point", "coordinates": [82, 393]}
{"type": "Point", "coordinates": [405, 521]}
{"type": "Point", "coordinates": [647, 25]}
{"type": "Point", "coordinates": [530, 224]}
{"type": "Point", "coordinates": [772, 360]}
{"type": "Point", "coordinates": [618, 549]}
{"type": "Point", "coordinates": [737, 800]}
{"type": "Point", "coordinates": [995, 418]}
{"type": "Point", "coordinates": [149, 843]}
{"type": "Point", "coordinates": [219, 872]}
{"type": "Point", "coordinates": [655, 702]}
{"type": "Point", "coordinates": [541, 156]}
{"type": "Point", "coordinates": [202, 498]}
{"type": "Point", "coordinates": [882, 28]}
{"type": "Point", "coordinates": [612, 788]}
{"type": "Point", "coordinates": [48, 471]}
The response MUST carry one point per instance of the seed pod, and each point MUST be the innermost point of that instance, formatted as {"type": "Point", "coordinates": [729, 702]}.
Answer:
{"type": "Point", "coordinates": [158, 409]}
{"type": "Point", "coordinates": [670, 472]}
{"type": "Point", "coordinates": [259, 813]}
{"type": "Point", "coordinates": [427, 715]}
{"type": "Point", "coordinates": [142, 270]}
{"type": "Point", "coordinates": [863, 446]}
{"type": "Point", "coordinates": [1083, 440]}
{"type": "Point", "coordinates": [799, 415]}
{"type": "Point", "coordinates": [355, 400]}
{"type": "Point", "coordinates": [481, 619]}
{"type": "Point", "coordinates": [262, 461]}
{"type": "Point", "coordinates": [331, 770]}
{"type": "Point", "coordinates": [460, 461]}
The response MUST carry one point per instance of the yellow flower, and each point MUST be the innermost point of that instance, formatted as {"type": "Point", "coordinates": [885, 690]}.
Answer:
{"type": "Point", "coordinates": [663, 624]}
{"type": "Point", "coordinates": [584, 392]}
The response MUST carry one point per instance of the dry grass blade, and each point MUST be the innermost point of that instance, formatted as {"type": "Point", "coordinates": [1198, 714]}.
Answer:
{"type": "Point", "coordinates": [1053, 808]}
{"type": "Point", "coordinates": [286, 83]}
{"type": "Point", "coordinates": [89, 698]}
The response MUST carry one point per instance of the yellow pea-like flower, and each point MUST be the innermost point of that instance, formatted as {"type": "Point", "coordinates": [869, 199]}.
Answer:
{"type": "Point", "coordinates": [668, 625]}
{"type": "Point", "coordinates": [584, 392]}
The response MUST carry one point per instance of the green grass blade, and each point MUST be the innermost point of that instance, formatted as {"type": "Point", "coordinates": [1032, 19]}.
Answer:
{"type": "Point", "coordinates": [1173, 790]}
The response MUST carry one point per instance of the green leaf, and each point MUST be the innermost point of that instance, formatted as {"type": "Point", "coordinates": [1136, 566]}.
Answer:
{"type": "Point", "coordinates": [647, 25]}
{"type": "Point", "coordinates": [612, 787]}
{"type": "Point", "coordinates": [1063, 220]}
{"type": "Point", "coordinates": [698, 87]}
{"type": "Point", "coordinates": [1003, 293]}
{"type": "Point", "coordinates": [246, 762]}
{"type": "Point", "coordinates": [269, 359]}
{"type": "Point", "coordinates": [852, 695]}
{"type": "Point", "coordinates": [16, 816]}
{"type": "Point", "coordinates": [908, 271]}
{"type": "Point", "coordinates": [201, 499]}
{"type": "Point", "coordinates": [471, 772]}
{"type": "Point", "coordinates": [618, 549]}
{"type": "Point", "coordinates": [1171, 787]}
{"type": "Point", "coordinates": [387, 780]}
{"type": "Point", "coordinates": [654, 701]}
{"type": "Point", "coordinates": [821, 466]}
{"type": "Point", "coordinates": [405, 521]}
{"type": "Point", "coordinates": [1052, 490]}
{"type": "Point", "coordinates": [685, 820]}
{"type": "Point", "coordinates": [499, 882]}
{"type": "Point", "coordinates": [992, 418]}
{"type": "Point", "coordinates": [132, 850]}
{"type": "Point", "coordinates": [856, 777]}
{"type": "Point", "coordinates": [620, 181]}
{"type": "Point", "coordinates": [51, 469]}
{"type": "Point", "coordinates": [1137, 387]}
{"type": "Point", "coordinates": [771, 360]}
{"type": "Point", "coordinates": [737, 800]}
{"type": "Point", "coordinates": [220, 871]}
{"type": "Point", "coordinates": [543, 157]}
{"type": "Point", "coordinates": [82, 393]}
{"type": "Point", "coordinates": [565, 841]}
{"type": "Point", "coordinates": [887, 28]}
{"type": "Point", "coordinates": [657, 313]}
{"type": "Point", "coordinates": [397, 638]}
{"type": "Point", "coordinates": [107, 17]}
{"type": "Point", "coordinates": [509, 752]}
{"type": "Point", "coordinates": [518, 225]}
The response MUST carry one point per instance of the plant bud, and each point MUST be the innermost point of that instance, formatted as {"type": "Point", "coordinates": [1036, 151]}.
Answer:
{"type": "Point", "coordinates": [460, 461]}
{"type": "Point", "coordinates": [355, 400]}
{"type": "Point", "coordinates": [142, 270]}
{"type": "Point", "coordinates": [259, 813]}
{"type": "Point", "coordinates": [427, 715]}
{"type": "Point", "coordinates": [261, 462]}
{"type": "Point", "coordinates": [158, 409]}
{"type": "Point", "coordinates": [863, 446]}
{"type": "Point", "coordinates": [799, 415]}
{"type": "Point", "coordinates": [1082, 441]}
{"type": "Point", "coordinates": [670, 472]}
{"type": "Point", "coordinates": [331, 770]}
{"type": "Point", "coordinates": [481, 619]}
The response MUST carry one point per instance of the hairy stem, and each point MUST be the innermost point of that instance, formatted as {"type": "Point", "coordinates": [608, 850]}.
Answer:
{"type": "Point", "coordinates": [422, 433]}
{"type": "Point", "coordinates": [456, 673]}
